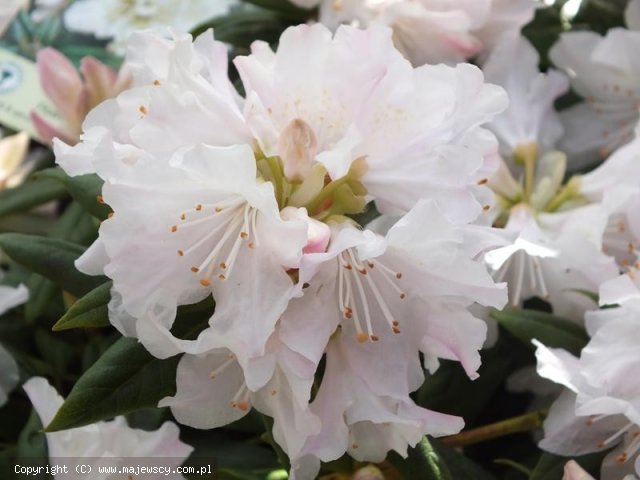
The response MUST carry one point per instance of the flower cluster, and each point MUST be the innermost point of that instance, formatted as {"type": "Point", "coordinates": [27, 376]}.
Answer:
{"type": "Point", "coordinates": [252, 200]}
{"type": "Point", "coordinates": [318, 213]}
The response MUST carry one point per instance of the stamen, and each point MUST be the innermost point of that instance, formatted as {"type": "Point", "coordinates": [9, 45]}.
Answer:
{"type": "Point", "coordinates": [217, 371]}
{"type": "Point", "coordinates": [615, 436]}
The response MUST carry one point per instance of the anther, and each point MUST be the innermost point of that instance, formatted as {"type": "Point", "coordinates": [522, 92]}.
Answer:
{"type": "Point", "coordinates": [244, 235]}
{"type": "Point", "coordinates": [395, 330]}
{"type": "Point", "coordinates": [180, 253]}
{"type": "Point", "coordinates": [483, 181]}
{"type": "Point", "coordinates": [223, 265]}
{"type": "Point", "coordinates": [348, 313]}
{"type": "Point", "coordinates": [205, 282]}
{"type": "Point", "coordinates": [174, 229]}
{"type": "Point", "coordinates": [195, 269]}
{"type": "Point", "coordinates": [362, 337]}
{"type": "Point", "coordinates": [156, 83]}
{"type": "Point", "coordinates": [199, 207]}
{"type": "Point", "coordinates": [398, 275]}
{"type": "Point", "coordinates": [486, 208]}
{"type": "Point", "coordinates": [143, 110]}
{"type": "Point", "coordinates": [374, 338]}
{"type": "Point", "coordinates": [183, 217]}
{"type": "Point", "coordinates": [222, 277]}
{"type": "Point", "coordinates": [242, 405]}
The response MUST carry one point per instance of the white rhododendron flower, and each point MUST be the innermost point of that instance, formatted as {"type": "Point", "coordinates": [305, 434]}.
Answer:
{"type": "Point", "coordinates": [247, 200]}
{"type": "Point", "coordinates": [113, 440]}
{"type": "Point", "coordinates": [432, 31]}
{"type": "Point", "coordinates": [558, 238]}
{"type": "Point", "coordinates": [358, 290]}
{"type": "Point", "coordinates": [118, 19]}
{"type": "Point", "coordinates": [601, 71]}
{"type": "Point", "coordinates": [616, 185]}
{"type": "Point", "coordinates": [601, 406]}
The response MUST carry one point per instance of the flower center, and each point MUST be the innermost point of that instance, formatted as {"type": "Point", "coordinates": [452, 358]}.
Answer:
{"type": "Point", "coordinates": [234, 224]}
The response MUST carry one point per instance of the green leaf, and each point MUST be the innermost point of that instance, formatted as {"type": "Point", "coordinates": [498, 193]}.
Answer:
{"type": "Point", "coordinates": [85, 189]}
{"type": "Point", "coordinates": [32, 445]}
{"type": "Point", "coordinates": [553, 331]}
{"type": "Point", "coordinates": [125, 379]}
{"type": "Point", "coordinates": [52, 258]}
{"type": "Point", "coordinates": [423, 462]}
{"type": "Point", "coordinates": [30, 194]}
{"type": "Point", "coordinates": [91, 311]}
{"type": "Point", "coordinates": [74, 225]}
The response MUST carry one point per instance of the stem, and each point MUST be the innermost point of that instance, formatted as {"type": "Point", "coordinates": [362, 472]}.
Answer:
{"type": "Point", "coordinates": [524, 423]}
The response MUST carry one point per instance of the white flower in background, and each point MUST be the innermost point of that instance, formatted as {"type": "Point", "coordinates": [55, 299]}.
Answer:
{"type": "Point", "coordinates": [601, 406]}
{"type": "Point", "coordinates": [117, 19]}
{"type": "Point", "coordinates": [113, 440]}
{"type": "Point", "coordinates": [558, 238]}
{"type": "Point", "coordinates": [9, 297]}
{"type": "Point", "coordinates": [8, 11]}
{"type": "Point", "coordinates": [432, 31]}
{"type": "Point", "coordinates": [603, 71]}
{"type": "Point", "coordinates": [44, 9]}
{"type": "Point", "coordinates": [13, 168]}
{"type": "Point", "coordinates": [632, 15]}
{"type": "Point", "coordinates": [616, 185]}
{"type": "Point", "coordinates": [558, 246]}
{"type": "Point", "coordinates": [531, 117]}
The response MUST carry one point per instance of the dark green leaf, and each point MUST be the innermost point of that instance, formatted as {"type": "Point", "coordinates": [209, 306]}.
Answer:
{"type": "Point", "coordinates": [32, 193]}
{"type": "Point", "coordinates": [85, 189]}
{"type": "Point", "coordinates": [550, 329]}
{"type": "Point", "coordinates": [32, 446]}
{"type": "Point", "coordinates": [52, 258]}
{"type": "Point", "coordinates": [423, 462]}
{"type": "Point", "coordinates": [125, 379]}
{"type": "Point", "coordinates": [89, 312]}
